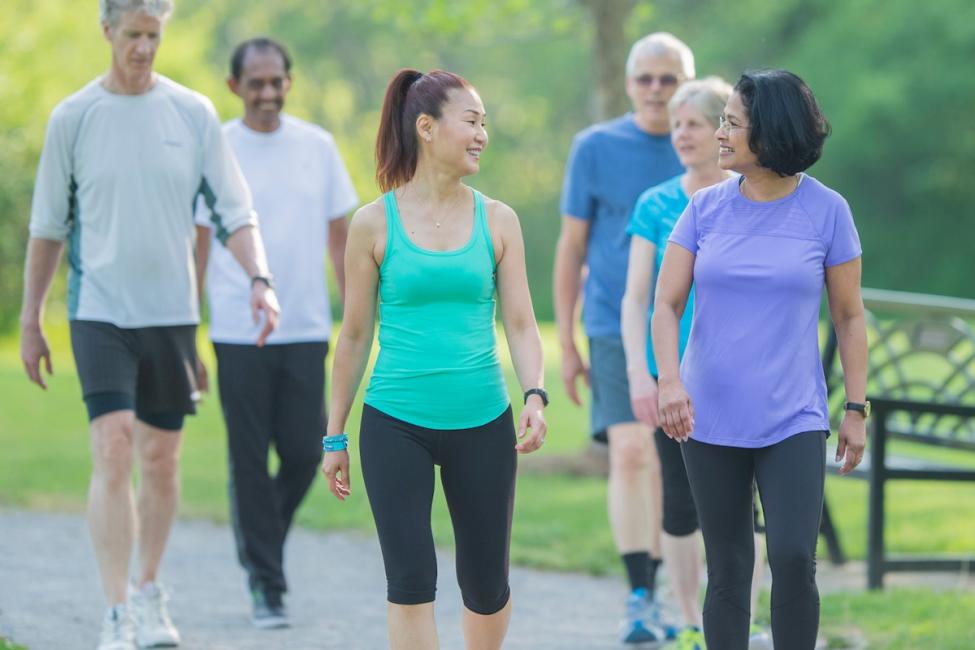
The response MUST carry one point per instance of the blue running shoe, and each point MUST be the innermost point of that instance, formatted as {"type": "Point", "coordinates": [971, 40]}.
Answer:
{"type": "Point", "coordinates": [670, 631]}
{"type": "Point", "coordinates": [639, 626]}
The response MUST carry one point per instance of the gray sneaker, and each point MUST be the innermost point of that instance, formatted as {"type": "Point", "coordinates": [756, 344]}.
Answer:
{"type": "Point", "coordinates": [268, 612]}
{"type": "Point", "coordinates": [154, 628]}
{"type": "Point", "coordinates": [118, 632]}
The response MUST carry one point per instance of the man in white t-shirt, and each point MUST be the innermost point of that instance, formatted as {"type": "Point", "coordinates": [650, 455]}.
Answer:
{"type": "Point", "coordinates": [123, 161]}
{"type": "Point", "coordinates": [274, 395]}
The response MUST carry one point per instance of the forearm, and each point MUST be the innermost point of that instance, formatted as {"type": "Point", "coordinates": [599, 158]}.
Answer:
{"type": "Point", "coordinates": [247, 247]}
{"type": "Point", "coordinates": [336, 251]}
{"type": "Point", "coordinates": [665, 329]}
{"type": "Point", "coordinates": [567, 281]}
{"type": "Point", "coordinates": [351, 357]}
{"type": "Point", "coordinates": [634, 329]}
{"type": "Point", "coordinates": [525, 345]}
{"type": "Point", "coordinates": [851, 338]}
{"type": "Point", "coordinates": [201, 256]}
{"type": "Point", "coordinates": [43, 256]}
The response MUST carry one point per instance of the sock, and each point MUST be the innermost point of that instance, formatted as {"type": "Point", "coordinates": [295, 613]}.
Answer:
{"type": "Point", "coordinates": [638, 569]}
{"type": "Point", "coordinates": [653, 564]}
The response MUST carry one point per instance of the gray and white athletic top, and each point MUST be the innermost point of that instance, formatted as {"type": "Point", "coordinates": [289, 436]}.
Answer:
{"type": "Point", "coordinates": [117, 180]}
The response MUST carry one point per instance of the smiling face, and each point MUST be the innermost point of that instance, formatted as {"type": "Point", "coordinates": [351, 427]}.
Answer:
{"type": "Point", "coordinates": [263, 86]}
{"type": "Point", "coordinates": [692, 135]}
{"type": "Point", "coordinates": [135, 41]}
{"type": "Point", "coordinates": [734, 153]}
{"type": "Point", "coordinates": [650, 85]}
{"type": "Point", "coordinates": [458, 137]}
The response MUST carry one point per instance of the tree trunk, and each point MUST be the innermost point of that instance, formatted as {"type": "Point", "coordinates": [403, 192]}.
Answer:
{"type": "Point", "coordinates": [609, 50]}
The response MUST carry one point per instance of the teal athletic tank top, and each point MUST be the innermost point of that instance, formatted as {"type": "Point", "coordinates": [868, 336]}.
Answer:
{"type": "Point", "coordinates": [438, 362]}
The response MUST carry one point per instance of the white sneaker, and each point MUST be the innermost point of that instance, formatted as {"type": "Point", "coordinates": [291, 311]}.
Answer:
{"type": "Point", "coordinates": [118, 632]}
{"type": "Point", "coordinates": [154, 628]}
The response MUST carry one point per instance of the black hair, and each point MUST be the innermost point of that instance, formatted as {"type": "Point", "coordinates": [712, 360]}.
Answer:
{"type": "Point", "coordinates": [259, 43]}
{"type": "Point", "coordinates": [787, 128]}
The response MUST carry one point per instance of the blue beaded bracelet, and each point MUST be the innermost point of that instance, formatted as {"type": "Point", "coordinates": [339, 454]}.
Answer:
{"type": "Point", "coordinates": [339, 442]}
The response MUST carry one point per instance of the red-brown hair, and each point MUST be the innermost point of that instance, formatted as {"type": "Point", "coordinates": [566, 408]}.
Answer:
{"type": "Point", "coordinates": [410, 93]}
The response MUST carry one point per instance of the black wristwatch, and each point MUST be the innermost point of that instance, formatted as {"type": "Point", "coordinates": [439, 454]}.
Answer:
{"type": "Point", "coordinates": [863, 408]}
{"type": "Point", "coordinates": [537, 391]}
{"type": "Point", "coordinates": [266, 279]}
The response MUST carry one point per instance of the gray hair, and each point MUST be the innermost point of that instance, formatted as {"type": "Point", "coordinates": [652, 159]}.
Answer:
{"type": "Point", "coordinates": [661, 44]}
{"type": "Point", "coordinates": [109, 11]}
{"type": "Point", "coordinates": [708, 95]}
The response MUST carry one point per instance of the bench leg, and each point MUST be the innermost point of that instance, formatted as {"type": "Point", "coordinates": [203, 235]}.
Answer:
{"type": "Point", "coordinates": [875, 529]}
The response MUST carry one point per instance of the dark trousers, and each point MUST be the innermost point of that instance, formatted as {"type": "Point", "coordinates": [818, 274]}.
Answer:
{"type": "Point", "coordinates": [270, 395]}
{"type": "Point", "coordinates": [790, 477]}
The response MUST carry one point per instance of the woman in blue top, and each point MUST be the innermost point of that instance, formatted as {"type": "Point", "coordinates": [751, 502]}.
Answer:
{"type": "Point", "coordinates": [694, 112]}
{"type": "Point", "coordinates": [430, 256]}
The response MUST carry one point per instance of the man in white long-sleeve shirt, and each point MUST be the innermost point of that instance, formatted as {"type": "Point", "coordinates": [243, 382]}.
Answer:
{"type": "Point", "coordinates": [123, 161]}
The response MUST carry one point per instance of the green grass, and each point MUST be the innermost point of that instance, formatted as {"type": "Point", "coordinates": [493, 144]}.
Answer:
{"type": "Point", "coordinates": [560, 522]}
{"type": "Point", "coordinates": [6, 644]}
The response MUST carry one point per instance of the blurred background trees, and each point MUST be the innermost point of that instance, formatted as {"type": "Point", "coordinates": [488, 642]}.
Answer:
{"type": "Point", "coordinates": [894, 80]}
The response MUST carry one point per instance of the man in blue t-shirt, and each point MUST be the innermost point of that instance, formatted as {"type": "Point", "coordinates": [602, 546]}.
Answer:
{"type": "Point", "coordinates": [610, 165]}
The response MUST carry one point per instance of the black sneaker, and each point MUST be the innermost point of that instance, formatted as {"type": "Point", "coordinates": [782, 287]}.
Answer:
{"type": "Point", "coordinates": [268, 610]}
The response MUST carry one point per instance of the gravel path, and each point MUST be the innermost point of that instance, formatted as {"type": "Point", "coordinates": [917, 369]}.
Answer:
{"type": "Point", "coordinates": [50, 598]}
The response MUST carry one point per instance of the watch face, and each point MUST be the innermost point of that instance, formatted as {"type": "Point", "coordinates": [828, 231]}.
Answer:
{"type": "Point", "coordinates": [866, 409]}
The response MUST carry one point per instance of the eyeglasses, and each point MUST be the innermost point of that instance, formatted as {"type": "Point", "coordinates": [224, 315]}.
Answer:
{"type": "Point", "coordinates": [727, 126]}
{"type": "Point", "coordinates": [665, 80]}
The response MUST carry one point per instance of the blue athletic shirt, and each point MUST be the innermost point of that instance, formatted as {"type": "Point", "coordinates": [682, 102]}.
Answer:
{"type": "Point", "coordinates": [610, 165]}
{"type": "Point", "coordinates": [654, 216]}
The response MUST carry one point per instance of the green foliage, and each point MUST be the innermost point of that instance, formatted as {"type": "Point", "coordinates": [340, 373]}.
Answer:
{"type": "Point", "coordinates": [891, 82]}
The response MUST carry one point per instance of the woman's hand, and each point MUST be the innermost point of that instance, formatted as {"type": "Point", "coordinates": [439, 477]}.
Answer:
{"type": "Point", "coordinates": [643, 398]}
{"type": "Point", "coordinates": [335, 467]}
{"type": "Point", "coordinates": [675, 410]}
{"type": "Point", "coordinates": [852, 441]}
{"type": "Point", "coordinates": [531, 426]}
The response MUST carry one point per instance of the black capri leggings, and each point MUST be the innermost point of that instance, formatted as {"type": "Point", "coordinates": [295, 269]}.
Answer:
{"type": "Point", "coordinates": [790, 477]}
{"type": "Point", "coordinates": [477, 471]}
{"type": "Point", "coordinates": [680, 515]}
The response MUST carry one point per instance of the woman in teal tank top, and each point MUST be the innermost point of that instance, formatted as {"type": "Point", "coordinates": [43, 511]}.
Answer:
{"type": "Point", "coordinates": [429, 257]}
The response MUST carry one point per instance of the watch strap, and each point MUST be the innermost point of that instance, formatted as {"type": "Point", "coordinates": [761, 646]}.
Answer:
{"type": "Point", "coordinates": [537, 391]}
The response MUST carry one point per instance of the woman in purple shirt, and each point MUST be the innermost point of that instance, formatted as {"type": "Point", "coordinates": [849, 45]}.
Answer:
{"type": "Point", "coordinates": [749, 400]}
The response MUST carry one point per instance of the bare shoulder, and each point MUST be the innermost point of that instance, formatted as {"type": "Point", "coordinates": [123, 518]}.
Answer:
{"type": "Point", "coordinates": [370, 219]}
{"type": "Point", "coordinates": [501, 216]}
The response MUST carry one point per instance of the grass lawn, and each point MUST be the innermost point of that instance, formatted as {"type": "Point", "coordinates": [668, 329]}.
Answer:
{"type": "Point", "coordinates": [560, 522]}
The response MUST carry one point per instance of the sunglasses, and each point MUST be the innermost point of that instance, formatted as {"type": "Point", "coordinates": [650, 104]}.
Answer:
{"type": "Point", "coordinates": [663, 80]}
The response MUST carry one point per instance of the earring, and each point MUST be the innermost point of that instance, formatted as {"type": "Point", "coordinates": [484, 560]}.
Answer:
{"type": "Point", "coordinates": [427, 137]}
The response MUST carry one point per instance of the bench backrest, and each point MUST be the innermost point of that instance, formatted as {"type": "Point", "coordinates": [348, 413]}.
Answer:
{"type": "Point", "coordinates": [921, 348]}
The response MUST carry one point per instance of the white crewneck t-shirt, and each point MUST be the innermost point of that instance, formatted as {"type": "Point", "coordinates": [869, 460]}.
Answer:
{"type": "Point", "coordinates": [299, 184]}
{"type": "Point", "coordinates": [117, 180]}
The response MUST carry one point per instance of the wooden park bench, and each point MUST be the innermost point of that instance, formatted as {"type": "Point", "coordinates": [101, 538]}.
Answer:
{"type": "Point", "coordinates": [921, 386]}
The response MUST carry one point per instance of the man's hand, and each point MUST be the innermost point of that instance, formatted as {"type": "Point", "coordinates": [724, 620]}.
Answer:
{"type": "Point", "coordinates": [264, 300]}
{"type": "Point", "coordinates": [573, 367]}
{"type": "Point", "coordinates": [33, 348]}
{"type": "Point", "coordinates": [202, 377]}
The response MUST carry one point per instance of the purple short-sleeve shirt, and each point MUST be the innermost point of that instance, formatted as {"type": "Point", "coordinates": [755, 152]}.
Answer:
{"type": "Point", "coordinates": [752, 365]}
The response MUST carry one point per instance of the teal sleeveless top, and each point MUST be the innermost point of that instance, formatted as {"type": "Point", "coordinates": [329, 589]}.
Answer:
{"type": "Point", "coordinates": [438, 362]}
